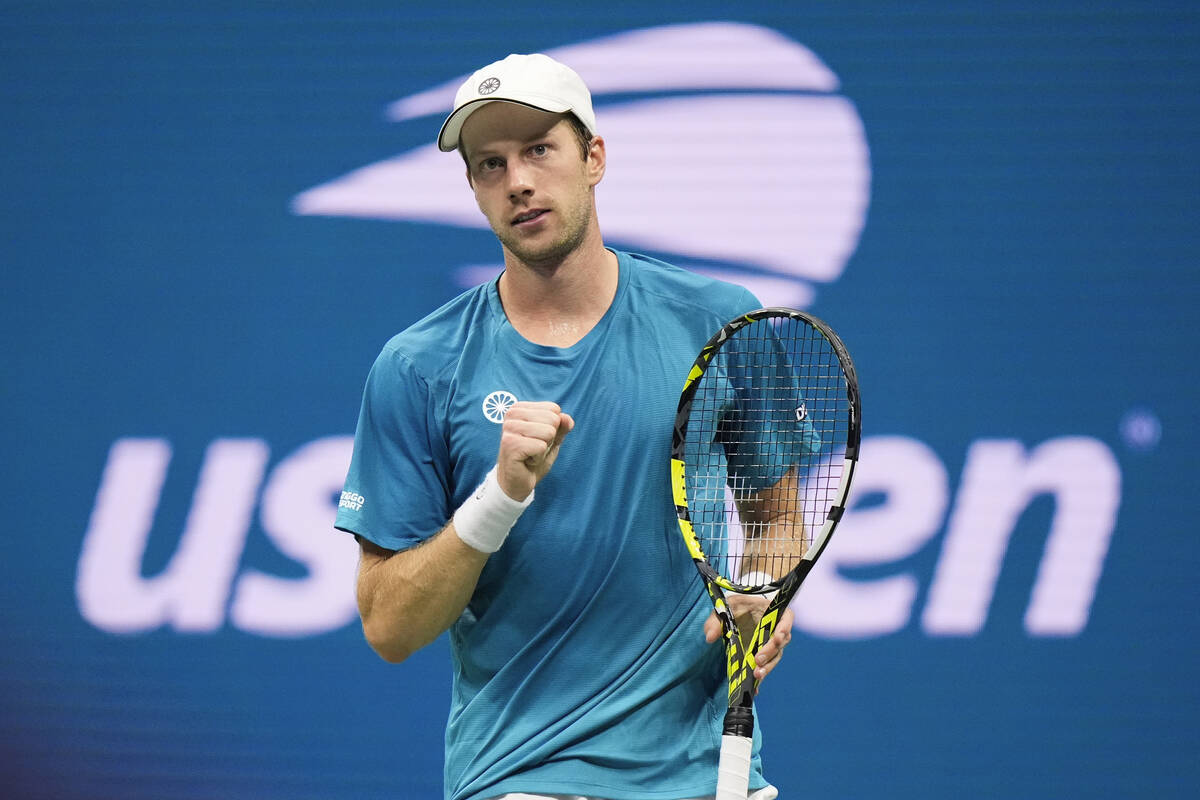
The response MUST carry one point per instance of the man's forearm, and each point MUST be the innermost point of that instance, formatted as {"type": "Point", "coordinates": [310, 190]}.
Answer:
{"type": "Point", "coordinates": [407, 598]}
{"type": "Point", "coordinates": [774, 530]}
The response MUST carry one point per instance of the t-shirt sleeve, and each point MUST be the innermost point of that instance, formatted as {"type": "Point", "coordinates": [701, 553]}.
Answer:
{"type": "Point", "coordinates": [747, 302]}
{"type": "Point", "coordinates": [396, 492]}
{"type": "Point", "coordinates": [766, 430]}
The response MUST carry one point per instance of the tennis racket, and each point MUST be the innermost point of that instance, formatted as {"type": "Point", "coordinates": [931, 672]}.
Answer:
{"type": "Point", "coordinates": [765, 443]}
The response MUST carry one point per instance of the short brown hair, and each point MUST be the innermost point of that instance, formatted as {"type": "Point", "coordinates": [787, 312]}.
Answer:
{"type": "Point", "coordinates": [582, 135]}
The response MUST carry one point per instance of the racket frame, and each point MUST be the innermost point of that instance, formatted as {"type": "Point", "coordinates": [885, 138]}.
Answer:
{"type": "Point", "coordinates": [740, 663]}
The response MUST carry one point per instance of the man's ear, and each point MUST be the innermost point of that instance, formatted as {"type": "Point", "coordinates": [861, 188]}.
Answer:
{"type": "Point", "coordinates": [596, 161]}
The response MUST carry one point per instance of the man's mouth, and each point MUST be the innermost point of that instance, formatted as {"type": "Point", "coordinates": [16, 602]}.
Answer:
{"type": "Point", "coordinates": [529, 216]}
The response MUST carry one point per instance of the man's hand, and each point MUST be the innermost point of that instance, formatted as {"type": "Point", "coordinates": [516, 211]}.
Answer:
{"type": "Point", "coordinates": [748, 610]}
{"type": "Point", "coordinates": [529, 441]}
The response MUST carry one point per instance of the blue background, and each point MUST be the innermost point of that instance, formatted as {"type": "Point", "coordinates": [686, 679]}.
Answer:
{"type": "Point", "coordinates": [1027, 270]}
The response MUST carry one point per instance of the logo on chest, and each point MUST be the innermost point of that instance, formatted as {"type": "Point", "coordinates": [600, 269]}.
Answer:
{"type": "Point", "coordinates": [497, 404]}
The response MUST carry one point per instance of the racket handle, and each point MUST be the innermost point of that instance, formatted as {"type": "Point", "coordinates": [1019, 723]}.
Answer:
{"type": "Point", "coordinates": [733, 770]}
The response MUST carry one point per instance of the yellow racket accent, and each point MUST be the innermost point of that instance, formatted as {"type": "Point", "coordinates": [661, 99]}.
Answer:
{"type": "Point", "coordinates": [678, 484]}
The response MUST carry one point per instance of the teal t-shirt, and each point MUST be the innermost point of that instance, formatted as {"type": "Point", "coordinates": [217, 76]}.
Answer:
{"type": "Point", "coordinates": [579, 665]}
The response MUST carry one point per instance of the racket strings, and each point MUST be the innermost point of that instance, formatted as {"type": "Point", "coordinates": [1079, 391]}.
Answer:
{"type": "Point", "coordinates": [765, 448]}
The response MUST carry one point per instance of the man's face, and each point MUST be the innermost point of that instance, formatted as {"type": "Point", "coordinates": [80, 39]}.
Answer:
{"type": "Point", "coordinates": [530, 180]}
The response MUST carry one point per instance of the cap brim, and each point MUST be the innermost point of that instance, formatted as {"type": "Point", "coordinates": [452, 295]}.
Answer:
{"type": "Point", "coordinates": [452, 127]}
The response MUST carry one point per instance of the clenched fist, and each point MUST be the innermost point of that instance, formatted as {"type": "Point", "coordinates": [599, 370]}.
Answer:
{"type": "Point", "coordinates": [529, 441]}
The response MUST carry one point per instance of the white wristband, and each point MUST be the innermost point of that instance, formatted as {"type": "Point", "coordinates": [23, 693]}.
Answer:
{"type": "Point", "coordinates": [755, 579]}
{"type": "Point", "coordinates": [485, 518]}
{"type": "Point", "coordinates": [758, 579]}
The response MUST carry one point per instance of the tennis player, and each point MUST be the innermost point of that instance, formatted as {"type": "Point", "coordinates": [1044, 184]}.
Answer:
{"type": "Point", "coordinates": [510, 481]}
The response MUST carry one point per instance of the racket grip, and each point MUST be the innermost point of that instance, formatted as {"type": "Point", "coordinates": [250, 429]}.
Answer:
{"type": "Point", "coordinates": [733, 770]}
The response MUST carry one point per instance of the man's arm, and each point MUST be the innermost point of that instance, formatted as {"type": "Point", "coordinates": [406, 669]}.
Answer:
{"type": "Point", "coordinates": [407, 598]}
{"type": "Point", "coordinates": [769, 512]}
{"type": "Point", "coordinates": [775, 536]}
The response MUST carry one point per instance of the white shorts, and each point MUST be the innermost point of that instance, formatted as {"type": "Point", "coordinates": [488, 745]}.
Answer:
{"type": "Point", "coordinates": [768, 792]}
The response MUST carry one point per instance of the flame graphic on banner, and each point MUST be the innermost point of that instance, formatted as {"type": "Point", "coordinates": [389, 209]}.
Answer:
{"type": "Point", "coordinates": [750, 164]}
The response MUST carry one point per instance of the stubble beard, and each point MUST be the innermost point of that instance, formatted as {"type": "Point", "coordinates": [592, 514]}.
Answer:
{"type": "Point", "coordinates": [546, 258]}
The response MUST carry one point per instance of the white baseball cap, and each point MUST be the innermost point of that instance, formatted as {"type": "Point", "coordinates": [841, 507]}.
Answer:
{"type": "Point", "coordinates": [533, 80]}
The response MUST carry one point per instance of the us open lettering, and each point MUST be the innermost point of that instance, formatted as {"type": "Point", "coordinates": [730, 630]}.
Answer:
{"type": "Point", "coordinates": [203, 587]}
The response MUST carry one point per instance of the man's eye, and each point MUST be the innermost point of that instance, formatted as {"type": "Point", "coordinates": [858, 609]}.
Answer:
{"type": "Point", "coordinates": [539, 149]}
{"type": "Point", "coordinates": [490, 164]}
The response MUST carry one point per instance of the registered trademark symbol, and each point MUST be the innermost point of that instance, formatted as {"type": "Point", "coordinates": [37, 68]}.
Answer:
{"type": "Point", "coordinates": [1141, 429]}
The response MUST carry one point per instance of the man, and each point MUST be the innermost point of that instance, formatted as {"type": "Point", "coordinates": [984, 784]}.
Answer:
{"type": "Point", "coordinates": [510, 476]}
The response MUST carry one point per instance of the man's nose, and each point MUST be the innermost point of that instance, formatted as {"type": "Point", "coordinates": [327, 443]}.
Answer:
{"type": "Point", "coordinates": [520, 182]}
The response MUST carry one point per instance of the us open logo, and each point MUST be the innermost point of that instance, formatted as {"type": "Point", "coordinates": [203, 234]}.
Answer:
{"type": "Point", "coordinates": [497, 404]}
{"type": "Point", "coordinates": [806, 183]}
